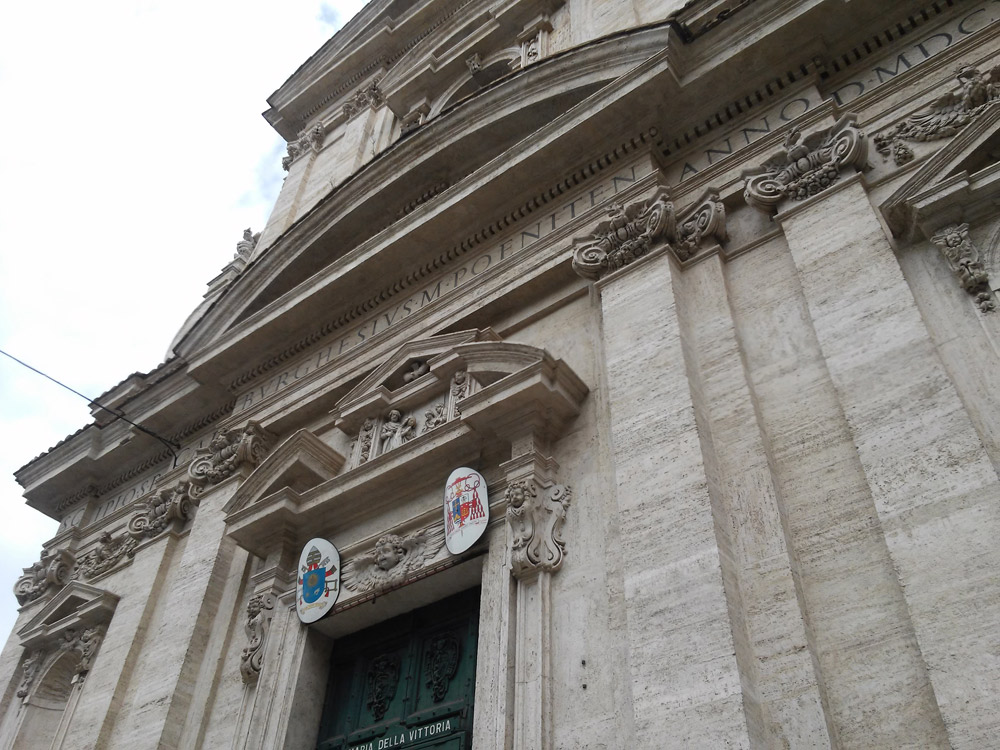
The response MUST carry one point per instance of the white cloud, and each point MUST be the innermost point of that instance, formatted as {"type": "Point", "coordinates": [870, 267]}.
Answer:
{"type": "Point", "coordinates": [135, 155]}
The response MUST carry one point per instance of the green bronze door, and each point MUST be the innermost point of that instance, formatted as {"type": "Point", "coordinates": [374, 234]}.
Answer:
{"type": "Point", "coordinates": [406, 683]}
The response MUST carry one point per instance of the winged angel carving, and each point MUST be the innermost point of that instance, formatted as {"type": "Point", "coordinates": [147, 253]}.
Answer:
{"type": "Point", "coordinates": [945, 116]}
{"type": "Point", "coordinates": [393, 560]}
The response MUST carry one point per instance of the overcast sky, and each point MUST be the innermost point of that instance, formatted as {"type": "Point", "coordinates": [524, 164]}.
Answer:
{"type": "Point", "coordinates": [135, 155]}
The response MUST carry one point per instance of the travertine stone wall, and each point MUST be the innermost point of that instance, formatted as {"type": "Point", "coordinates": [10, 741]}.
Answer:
{"type": "Point", "coordinates": [780, 685]}
{"type": "Point", "coordinates": [685, 679]}
{"type": "Point", "coordinates": [934, 489]}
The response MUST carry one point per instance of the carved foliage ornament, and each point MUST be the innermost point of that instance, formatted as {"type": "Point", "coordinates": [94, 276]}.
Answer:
{"type": "Point", "coordinates": [806, 166]}
{"type": "Point", "coordinates": [945, 116]}
{"type": "Point", "coordinates": [393, 560]}
{"type": "Point", "coordinates": [536, 518]}
{"type": "Point", "coordinates": [963, 257]}
{"type": "Point", "coordinates": [309, 142]}
{"type": "Point", "coordinates": [259, 610]}
{"type": "Point", "coordinates": [170, 507]}
{"type": "Point", "coordinates": [229, 451]}
{"type": "Point", "coordinates": [631, 232]}
{"type": "Point", "coordinates": [52, 571]}
{"type": "Point", "coordinates": [108, 553]}
{"type": "Point", "coordinates": [370, 96]}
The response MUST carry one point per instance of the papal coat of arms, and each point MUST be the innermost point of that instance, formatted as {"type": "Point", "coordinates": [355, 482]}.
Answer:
{"type": "Point", "coordinates": [466, 509]}
{"type": "Point", "coordinates": [318, 585]}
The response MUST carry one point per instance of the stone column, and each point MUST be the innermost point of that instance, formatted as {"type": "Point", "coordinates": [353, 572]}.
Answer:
{"type": "Point", "coordinates": [934, 489]}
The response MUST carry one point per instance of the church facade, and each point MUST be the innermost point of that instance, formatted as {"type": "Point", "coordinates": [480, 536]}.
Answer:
{"type": "Point", "coordinates": [700, 300]}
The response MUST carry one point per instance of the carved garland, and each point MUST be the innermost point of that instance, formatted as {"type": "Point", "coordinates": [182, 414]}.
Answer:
{"type": "Point", "coordinates": [963, 257]}
{"type": "Point", "coordinates": [806, 166]}
{"type": "Point", "coordinates": [945, 116]}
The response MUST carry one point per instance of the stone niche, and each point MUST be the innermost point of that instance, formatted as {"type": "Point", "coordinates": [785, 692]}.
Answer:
{"type": "Point", "coordinates": [465, 398]}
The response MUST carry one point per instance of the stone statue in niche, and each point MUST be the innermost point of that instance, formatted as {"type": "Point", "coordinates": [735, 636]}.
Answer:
{"type": "Point", "coordinates": [417, 368]}
{"type": "Point", "coordinates": [396, 431]}
{"type": "Point", "coordinates": [393, 560]}
{"type": "Point", "coordinates": [435, 417]}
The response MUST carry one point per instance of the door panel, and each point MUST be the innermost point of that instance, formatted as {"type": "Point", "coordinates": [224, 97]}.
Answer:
{"type": "Point", "coordinates": [406, 683]}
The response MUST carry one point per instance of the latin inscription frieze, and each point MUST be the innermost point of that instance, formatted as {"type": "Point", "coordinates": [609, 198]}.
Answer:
{"type": "Point", "coordinates": [533, 230]}
{"type": "Point", "coordinates": [866, 78]}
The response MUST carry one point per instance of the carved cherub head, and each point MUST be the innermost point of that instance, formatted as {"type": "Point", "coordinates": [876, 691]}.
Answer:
{"type": "Point", "coordinates": [389, 551]}
{"type": "Point", "coordinates": [219, 442]}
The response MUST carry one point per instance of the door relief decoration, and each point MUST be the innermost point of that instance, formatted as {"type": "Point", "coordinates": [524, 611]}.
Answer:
{"type": "Point", "coordinates": [318, 586]}
{"type": "Point", "coordinates": [442, 663]}
{"type": "Point", "coordinates": [466, 509]}
{"type": "Point", "coordinates": [383, 677]}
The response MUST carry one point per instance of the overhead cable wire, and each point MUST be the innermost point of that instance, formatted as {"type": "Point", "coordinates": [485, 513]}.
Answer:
{"type": "Point", "coordinates": [171, 446]}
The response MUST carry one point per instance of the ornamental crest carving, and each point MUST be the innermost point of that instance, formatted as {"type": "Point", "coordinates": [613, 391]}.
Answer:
{"type": "Point", "coordinates": [963, 258]}
{"type": "Point", "coordinates": [383, 679]}
{"type": "Point", "coordinates": [228, 452]}
{"type": "Point", "coordinates": [259, 611]}
{"type": "Point", "coordinates": [632, 231]}
{"type": "Point", "coordinates": [806, 165]}
{"type": "Point", "coordinates": [536, 517]}
{"type": "Point", "coordinates": [108, 553]}
{"type": "Point", "coordinates": [169, 508]}
{"type": "Point", "coordinates": [945, 116]}
{"type": "Point", "coordinates": [393, 560]}
{"type": "Point", "coordinates": [442, 664]}
{"type": "Point", "coordinates": [52, 571]}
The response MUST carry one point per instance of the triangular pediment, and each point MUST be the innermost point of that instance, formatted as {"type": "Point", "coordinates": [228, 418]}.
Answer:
{"type": "Point", "coordinates": [395, 373]}
{"type": "Point", "coordinates": [956, 184]}
{"type": "Point", "coordinates": [76, 606]}
{"type": "Point", "coordinates": [296, 466]}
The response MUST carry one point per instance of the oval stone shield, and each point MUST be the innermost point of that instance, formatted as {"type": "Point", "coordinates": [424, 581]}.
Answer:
{"type": "Point", "coordinates": [318, 586]}
{"type": "Point", "coordinates": [466, 509]}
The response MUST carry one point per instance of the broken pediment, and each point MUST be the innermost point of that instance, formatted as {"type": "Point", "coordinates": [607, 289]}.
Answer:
{"type": "Point", "coordinates": [435, 404]}
{"type": "Point", "coordinates": [77, 607]}
{"type": "Point", "coordinates": [468, 51]}
{"type": "Point", "coordinates": [297, 465]}
{"type": "Point", "coordinates": [944, 190]}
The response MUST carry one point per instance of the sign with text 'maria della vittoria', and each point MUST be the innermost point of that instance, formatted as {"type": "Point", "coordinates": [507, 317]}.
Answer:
{"type": "Point", "coordinates": [318, 584]}
{"type": "Point", "coordinates": [466, 509]}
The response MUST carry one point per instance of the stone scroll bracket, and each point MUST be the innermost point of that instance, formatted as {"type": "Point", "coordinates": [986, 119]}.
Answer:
{"type": "Point", "coordinates": [637, 229]}
{"type": "Point", "coordinates": [806, 165]}
{"type": "Point", "coordinates": [964, 260]}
